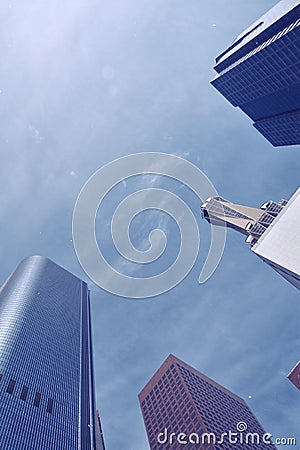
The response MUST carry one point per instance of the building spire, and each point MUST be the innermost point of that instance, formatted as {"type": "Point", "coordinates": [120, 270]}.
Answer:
{"type": "Point", "coordinates": [251, 222]}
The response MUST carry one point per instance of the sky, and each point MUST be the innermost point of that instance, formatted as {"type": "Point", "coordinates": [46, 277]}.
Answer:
{"type": "Point", "coordinates": [85, 82]}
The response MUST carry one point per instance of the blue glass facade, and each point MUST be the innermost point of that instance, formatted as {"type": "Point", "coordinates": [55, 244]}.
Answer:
{"type": "Point", "coordinates": [260, 73]}
{"type": "Point", "coordinates": [280, 129]}
{"type": "Point", "coordinates": [46, 368]}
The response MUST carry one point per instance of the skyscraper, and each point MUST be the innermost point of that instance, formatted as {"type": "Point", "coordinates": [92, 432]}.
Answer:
{"type": "Point", "coordinates": [260, 73]}
{"type": "Point", "coordinates": [273, 231]}
{"type": "Point", "coordinates": [46, 365]}
{"type": "Point", "coordinates": [294, 375]}
{"type": "Point", "coordinates": [99, 433]}
{"type": "Point", "coordinates": [181, 406]}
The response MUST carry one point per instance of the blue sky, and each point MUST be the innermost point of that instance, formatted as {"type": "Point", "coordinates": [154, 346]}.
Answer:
{"type": "Point", "coordinates": [85, 82]}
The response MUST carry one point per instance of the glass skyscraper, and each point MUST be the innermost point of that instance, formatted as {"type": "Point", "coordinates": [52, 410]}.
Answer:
{"type": "Point", "coordinates": [260, 73]}
{"type": "Point", "coordinates": [46, 365]}
{"type": "Point", "coordinates": [182, 408]}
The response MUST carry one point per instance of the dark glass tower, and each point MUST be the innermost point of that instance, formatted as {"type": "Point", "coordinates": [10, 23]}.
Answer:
{"type": "Point", "coordinates": [182, 408]}
{"type": "Point", "coordinates": [260, 73]}
{"type": "Point", "coordinates": [46, 366]}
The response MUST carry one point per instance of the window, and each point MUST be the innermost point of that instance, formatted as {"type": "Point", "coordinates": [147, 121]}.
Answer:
{"type": "Point", "coordinates": [11, 386]}
{"type": "Point", "coordinates": [37, 399]}
{"type": "Point", "coordinates": [24, 393]}
{"type": "Point", "coordinates": [49, 408]}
